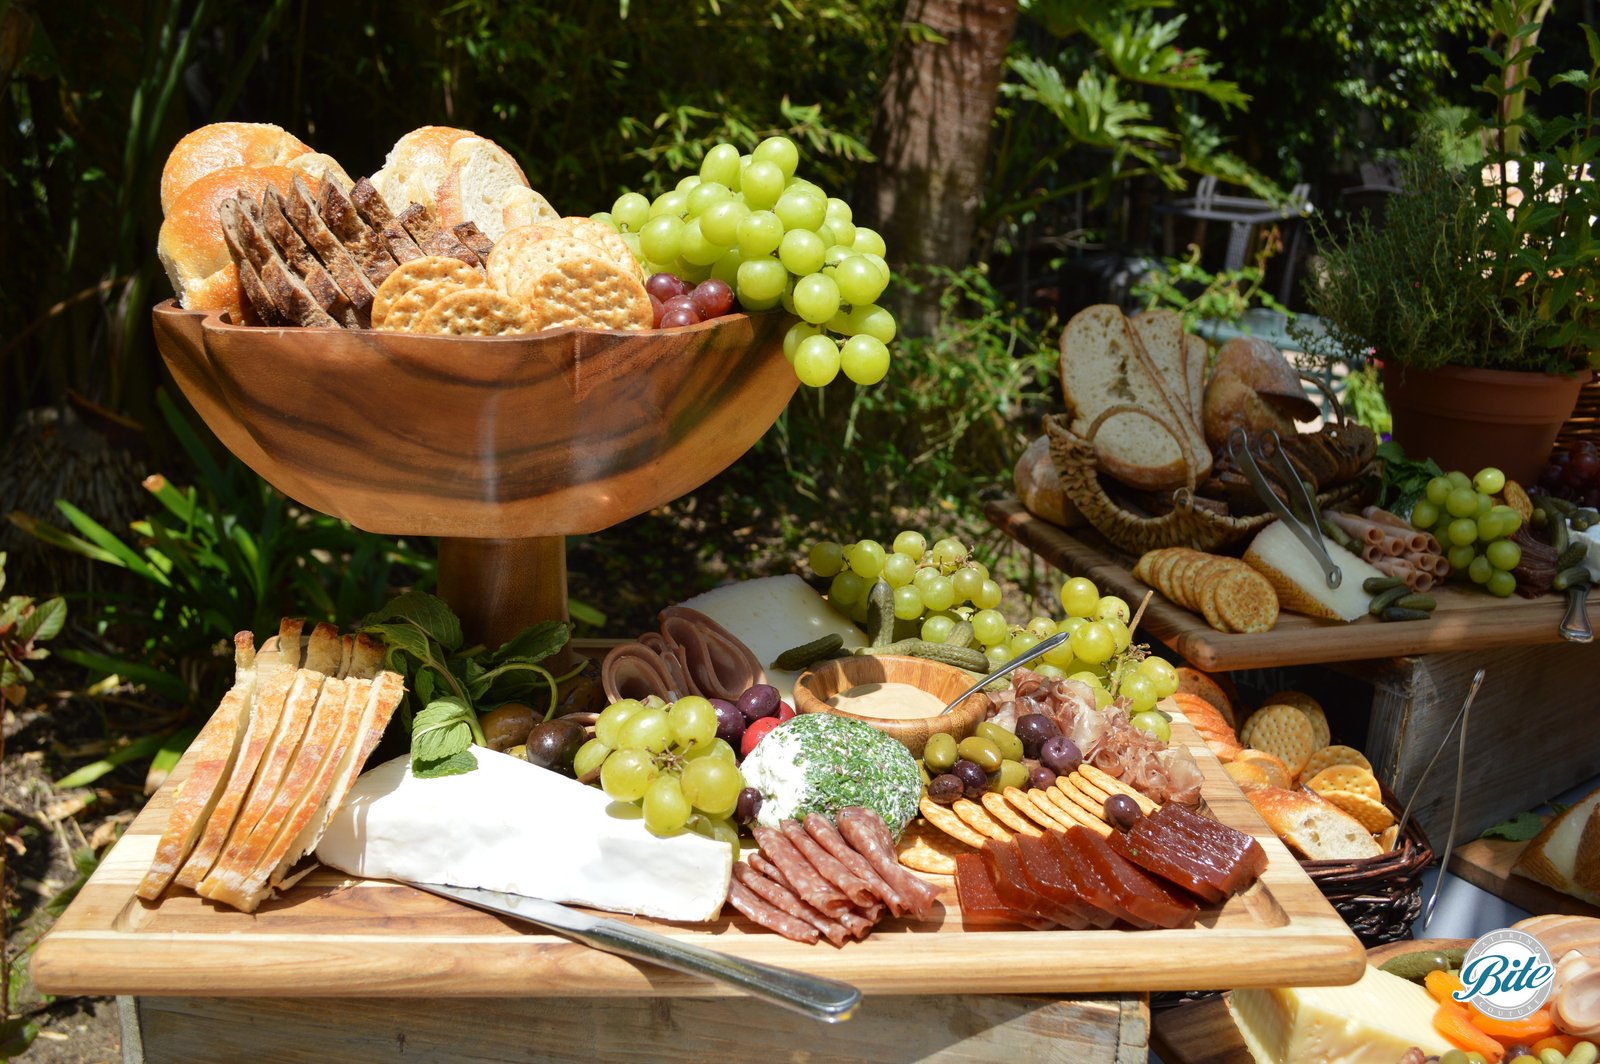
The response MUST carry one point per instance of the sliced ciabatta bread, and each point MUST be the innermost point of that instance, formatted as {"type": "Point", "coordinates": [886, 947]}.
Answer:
{"type": "Point", "coordinates": [1103, 366]}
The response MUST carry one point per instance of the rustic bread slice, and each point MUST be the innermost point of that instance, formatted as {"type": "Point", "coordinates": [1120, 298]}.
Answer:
{"type": "Point", "coordinates": [273, 679]}
{"type": "Point", "coordinates": [469, 234]}
{"type": "Point", "coordinates": [484, 184]}
{"type": "Point", "coordinates": [239, 878]}
{"type": "Point", "coordinates": [420, 223]}
{"type": "Point", "coordinates": [302, 262]}
{"type": "Point", "coordinates": [1103, 366]}
{"type": "Point", "coordinates": [251, 250]}
{"type": "Point", "coordinates": [301, 209]}
{"type": "Point", "coordinates": [297, 303]}
{"type": "Point", "coordinates": [1196, 353]}
{"type": "Point", "coordinates": [1163, 338]}
{"type": "Point", "coordinates": [369, 203]}
{"type": "Point", "coordinates": [360, 239]}
{"type": "Point", "coordinates": [1318, 830]}
{"type": "Point", "coordinates": [213, 751]}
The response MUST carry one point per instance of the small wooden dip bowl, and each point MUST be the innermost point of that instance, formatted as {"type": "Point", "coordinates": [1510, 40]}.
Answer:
{"type": "Point", "coordinates": [820, 683]}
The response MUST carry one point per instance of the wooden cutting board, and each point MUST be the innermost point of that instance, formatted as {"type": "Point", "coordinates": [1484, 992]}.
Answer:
{"type": "Point", "coordinates": [1486, 864]}
{"type": "Point", "coordinates": [1204, 1033]}
{"type": "Point", "coordinates": [335, 935]}
{"type": "Point", "coordinates": [1465, 619]}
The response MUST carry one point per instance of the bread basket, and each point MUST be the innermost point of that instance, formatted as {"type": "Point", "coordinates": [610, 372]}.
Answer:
{"type": "Point", "coordinates": [1187, 524]}
{"type": "Point", "coordinates": [1379, 897]}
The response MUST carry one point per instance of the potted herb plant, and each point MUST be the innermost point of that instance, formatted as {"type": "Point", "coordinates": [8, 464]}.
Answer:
{"type": "Point", "coordinates": [1479, 292]}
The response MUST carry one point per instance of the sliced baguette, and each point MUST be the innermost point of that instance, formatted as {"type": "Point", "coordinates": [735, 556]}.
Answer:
{"type": "Point", "coordinates": [1316, 829]}
{"type": "Point", "coordinates": [301, 208]}
{"type": "Point", "coordinates": [424, 229]}
{"type": "Point", "coordinates": [316, 280]}
{"type": "Point", "coordinates": [363, 242]}
{"type": "Point", "coordinates": [273, 679]}
{"type": "Point", "coordinates": [214, 751]}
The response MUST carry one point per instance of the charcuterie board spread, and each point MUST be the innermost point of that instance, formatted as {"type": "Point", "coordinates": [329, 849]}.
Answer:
{"type": "Point", "coordinates": [330, 932]}
{"type": "Point", "coordinates": [1465, 619]}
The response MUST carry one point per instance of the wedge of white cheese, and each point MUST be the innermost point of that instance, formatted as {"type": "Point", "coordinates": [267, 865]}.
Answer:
{"type": "Point", "coordinates": [773, 614]}
{"type": "Point", "coordinates": [511, 826]}
{"type": "Point", "coordinates": [1373, 1021]}
{"type": "Point", "coordinates": [1590, 538]}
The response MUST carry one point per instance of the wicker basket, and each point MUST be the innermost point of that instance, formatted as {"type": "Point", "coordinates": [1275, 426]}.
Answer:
{"type": "Point", "coordinates": [1185, 525]}
{"type": "Point", "coordinates": [1584, 424]}
{"type": "Point", "coordinates": [1379, 897]}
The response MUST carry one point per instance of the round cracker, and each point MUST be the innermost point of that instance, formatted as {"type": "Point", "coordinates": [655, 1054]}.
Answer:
{"type": "Point", "coordinates": [407, 311]}
{"type": "Point", "coordinates": [1335, 755]}
{"type": "Point", "coordinates": [590, 293]}
{"type": "Point", "coordinates": [1245, 601]}
{"type": "Point", "coordinates": [1374, 816]}
{"type": "Point", "coordinates": [603, 237]}
{"type": "Point", "coordinates": [409, 275]}
{"type": "Point", "coordinates": [1284, 732]}
{"type": "Point", "coordinates": [925, 849]}
{"type": "Point", "coordinates": [1351, 778]}
{"type": "Point", "coordinates": [476, 312]}
{"type": "Point", "coordinates": [1310, 707]}
{"type": "Point", "coordinates": [525, 254]}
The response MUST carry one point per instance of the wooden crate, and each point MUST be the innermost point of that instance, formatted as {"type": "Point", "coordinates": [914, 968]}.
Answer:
{"type": "Point", "coordinates": [1584, 424]}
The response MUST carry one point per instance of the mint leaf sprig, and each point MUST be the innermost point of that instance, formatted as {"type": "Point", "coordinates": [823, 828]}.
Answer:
{"type": "Point", "coordinates": [451, 682]}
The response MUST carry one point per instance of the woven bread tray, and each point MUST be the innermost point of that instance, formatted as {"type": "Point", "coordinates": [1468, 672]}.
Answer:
{"type": "Point", "coordinates": [1185, 525]}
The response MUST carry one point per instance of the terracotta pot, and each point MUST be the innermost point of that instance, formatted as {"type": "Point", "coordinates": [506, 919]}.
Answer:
{"type": "Point", "coordinates": [1470, 418]}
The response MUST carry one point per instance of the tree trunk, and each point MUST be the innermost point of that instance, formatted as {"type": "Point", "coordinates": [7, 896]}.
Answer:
{"type": "Point", "coordinates": [931, 137]}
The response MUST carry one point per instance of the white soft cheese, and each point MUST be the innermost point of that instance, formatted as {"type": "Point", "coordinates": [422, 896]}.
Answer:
{"type": "Point", "coordinates": [1373, 1021]}
{"type": "Point", "coordinates": [774, 614]}
{"type": "Point", "coordinates": [511, 826]}
{"type": "Point", "coordinates": [1591, 540]}
{"type": "Point", "coordinates": [772, 769]}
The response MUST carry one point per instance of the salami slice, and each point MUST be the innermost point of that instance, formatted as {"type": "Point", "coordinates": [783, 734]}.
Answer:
{"type": "Point", "coordinates": [865, 830]}
{"type": "Point", "coordinates": [833, 870]}
{"type": "Point", "coordinates": [745, 900]}
{"type": "Point", "coordinates": [812, 887]}
{"type": "Point", "coordinates": [775, 893]}
{"type": "Point", "coordinates": [827, 835]}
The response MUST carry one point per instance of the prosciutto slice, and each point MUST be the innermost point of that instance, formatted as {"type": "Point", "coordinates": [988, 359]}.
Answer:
{"type": "Point", "coordinates": [633, 670]}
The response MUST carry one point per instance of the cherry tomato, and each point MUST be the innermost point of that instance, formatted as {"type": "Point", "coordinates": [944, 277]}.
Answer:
{"type": "Point", "coordinates": [755, 733]}
{"type": "Point", "coordinates": [785, 712]}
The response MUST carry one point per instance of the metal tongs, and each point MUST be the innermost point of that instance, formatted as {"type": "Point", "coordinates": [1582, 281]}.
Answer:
{"type": "Point", "coordinates": [1301, 512]}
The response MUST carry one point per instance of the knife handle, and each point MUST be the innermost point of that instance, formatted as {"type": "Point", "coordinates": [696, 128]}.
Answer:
{"type": "Point", "coordinates": [1575, 625]}
{"type": "Point", "coordinates": [821, 999]}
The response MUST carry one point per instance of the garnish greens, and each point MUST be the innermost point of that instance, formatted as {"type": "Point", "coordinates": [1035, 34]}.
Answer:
{"type": "Point", "coordinates": [1519, 828]}
{"type": "Point", "coordinates": [450, 682]}
{"type": "Point", "coordinates": [1404, 479]}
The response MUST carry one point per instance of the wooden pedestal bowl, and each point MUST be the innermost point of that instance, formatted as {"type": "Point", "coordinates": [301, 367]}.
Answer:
{"type": "Point", "coordinates": [821, 682]}
{"type": "Point", "coordinates": [500, 445]}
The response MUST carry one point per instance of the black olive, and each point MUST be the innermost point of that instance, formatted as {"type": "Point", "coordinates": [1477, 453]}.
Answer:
{"type": "Point", "coordinates": [749, 805]}
{"type": "Point", "coordinates": [1034, 729]}
{"type": "Point", "coordinates": [1122, 811]}
{"type": "Point", "coordinates": [946, 788]}
{"type": "Point", "coordinates": [1041, 778]}
{"type": "Point", "coordinates": [508, 725]}
{"type": "Point", "coordinates": [554, 744]}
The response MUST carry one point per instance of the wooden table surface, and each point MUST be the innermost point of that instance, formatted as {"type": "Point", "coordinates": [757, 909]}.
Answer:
{"type": "Point", "coordinates": [331, 933]}
{"type": "Point", "coordinates": [1465, 620]}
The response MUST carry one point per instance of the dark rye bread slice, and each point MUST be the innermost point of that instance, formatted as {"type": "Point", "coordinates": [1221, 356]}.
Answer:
{"type": "Point", "coordinates": [359, 238]}
{"type": "Point", "coordinates": [286, 238]}
{"type": "Point", "coordinates": [476, 239]}
{"type": "Point", "coordinates": [370, 204]}
{"type": "Point", "coordinates": [302, 212]}
{"type": "Point", "coordinates": [293, 298]}
{"type": "Point", "coordinates": [237, 234]}
{"type": "Point", "coordinates": [433, 240]}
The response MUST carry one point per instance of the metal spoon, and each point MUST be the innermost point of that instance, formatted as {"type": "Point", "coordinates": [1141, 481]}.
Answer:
{"type": "Point", "coordinates": [1575, 625]}
{"type": "Point", "coordinates": [1008, 668]}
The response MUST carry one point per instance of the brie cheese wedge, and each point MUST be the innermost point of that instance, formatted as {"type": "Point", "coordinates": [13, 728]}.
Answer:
{"type": "Point", "coordinates": [508, 825]}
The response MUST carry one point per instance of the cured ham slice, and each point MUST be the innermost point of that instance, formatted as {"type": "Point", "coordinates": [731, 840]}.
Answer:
{"type": "Point", "coordinates": [717, 663]}
{"type": "Point", "coordinates": [635, 670]}
{"type": "Point", "coordinates": [215, 750]}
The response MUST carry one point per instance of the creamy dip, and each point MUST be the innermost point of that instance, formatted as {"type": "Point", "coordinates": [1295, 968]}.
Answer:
{"type": "Point", "coordinates": [888, 701]}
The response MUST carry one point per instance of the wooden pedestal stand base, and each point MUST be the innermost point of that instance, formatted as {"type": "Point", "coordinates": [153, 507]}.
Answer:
{"type": "Point", "coordinates": [500, 586]}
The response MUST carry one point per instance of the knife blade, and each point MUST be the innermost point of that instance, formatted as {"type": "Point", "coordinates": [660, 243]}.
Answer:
{"type": "Point", "coordinates": [828, 1000]}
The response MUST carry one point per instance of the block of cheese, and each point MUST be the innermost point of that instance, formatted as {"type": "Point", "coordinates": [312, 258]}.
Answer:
{"type": "Point", "coordinates": [774, 614]}
{"type": "Point", "coordinates": [1566, 854]}
{"type": "Point", "coordinates": [1372, 1021]}
{"type": "Point", "coordinates": [508, 825]}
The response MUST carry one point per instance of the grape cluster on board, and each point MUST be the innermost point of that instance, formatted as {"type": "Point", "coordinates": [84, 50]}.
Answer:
{"type": "Point", "coordinates": [939, 589]}
{"type": "Point", "coordinates": [772, 238]}
{"type": "Point", "coordinates": [1474, 530]}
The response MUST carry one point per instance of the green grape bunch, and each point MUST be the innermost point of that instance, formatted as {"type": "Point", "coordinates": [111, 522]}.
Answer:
{"type": "Point", "coordinates": [1473, 528]}
{"type": "Point", "coordinates": [941, 590]}
{"type": "Point", "coordinates": [777, 240]}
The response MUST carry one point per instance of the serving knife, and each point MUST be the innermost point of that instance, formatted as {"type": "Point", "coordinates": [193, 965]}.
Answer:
{"type": "Point", "coordinates": [821, 999]}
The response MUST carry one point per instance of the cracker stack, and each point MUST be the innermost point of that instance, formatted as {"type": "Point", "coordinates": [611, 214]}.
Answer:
{"type": "Point", "coordinates": [1231, 595]}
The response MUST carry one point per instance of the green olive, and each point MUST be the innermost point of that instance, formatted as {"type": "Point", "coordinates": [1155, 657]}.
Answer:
{"type": "Point", "coordinates": [1011, 774]}
{"type": "Point", "coordinates": [507, 725]}
{"type": "Point", "coordinates": [981, 752]}
{"type": "Point", "coordinates": [1010, 746]}
{"type": "Point", "coordinates": [1454, 1056]}
{"type": "Point", "coordinates": [940, 751]}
